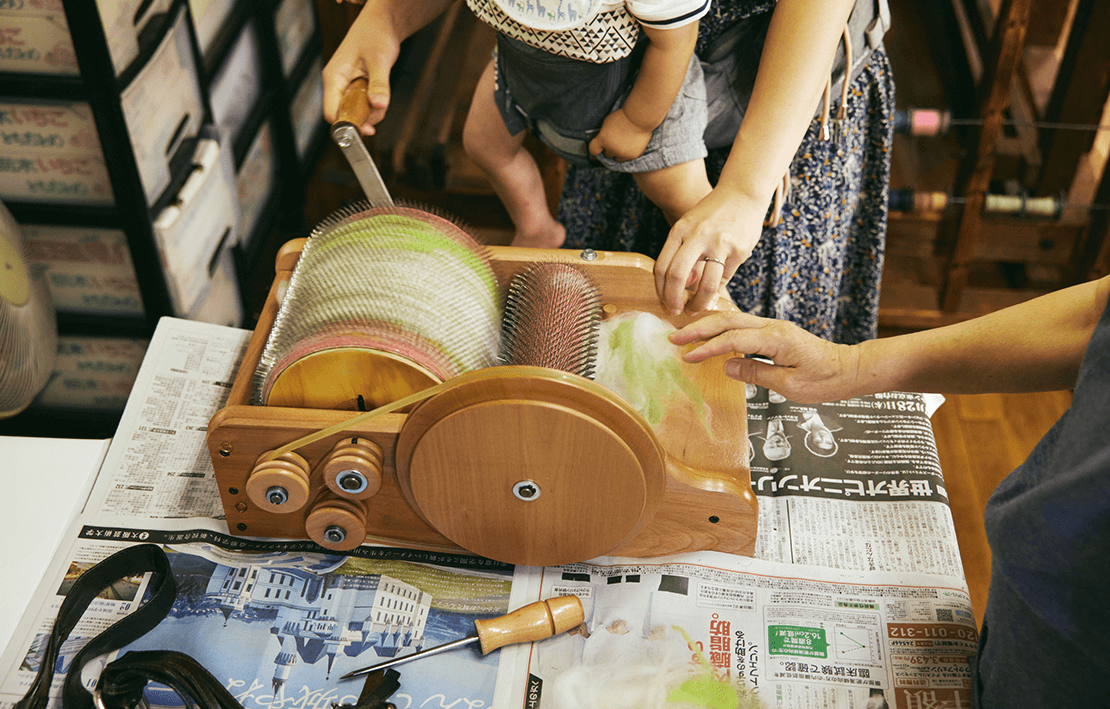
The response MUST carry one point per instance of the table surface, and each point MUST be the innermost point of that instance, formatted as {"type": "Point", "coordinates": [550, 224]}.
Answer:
{"type": "Point", "coordinates": [53, 477]}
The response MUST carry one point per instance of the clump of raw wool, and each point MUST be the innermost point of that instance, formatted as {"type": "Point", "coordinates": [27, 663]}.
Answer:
{"type": "Point", "coordinates": [636, 361]}
{"type": "Point", "coordinates": [657, 672]}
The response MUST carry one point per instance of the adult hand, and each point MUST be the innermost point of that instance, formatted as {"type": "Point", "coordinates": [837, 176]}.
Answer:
{"type": "Point", "coordinates": [805, 369]}
{"type": "Point", "coordinates": [368, 50]}
{"type": "Point", "coordinates": [705, 247]}
{"type": "Point", "coordinates": [620, 138]}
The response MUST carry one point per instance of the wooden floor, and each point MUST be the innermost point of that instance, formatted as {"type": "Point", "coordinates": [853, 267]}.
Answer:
{"type": "Point", "coordinates": [980, 439]}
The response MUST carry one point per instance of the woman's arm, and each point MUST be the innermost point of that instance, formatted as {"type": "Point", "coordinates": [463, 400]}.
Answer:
{"type": "Point", "coordinates": [794, 68]}
{"type": "Point", "coordinates": [626, 132]}
{"type": "Point", "coordinates": [369, 50]}
{"type": "Point", "coordinates": [1037, 345]}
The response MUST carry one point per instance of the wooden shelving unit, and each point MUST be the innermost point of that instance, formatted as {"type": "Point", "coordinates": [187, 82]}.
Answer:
{"type": "Point", "coordinates": [1009, 69]}
{"type": "Point", "coordinates": [245, 76]}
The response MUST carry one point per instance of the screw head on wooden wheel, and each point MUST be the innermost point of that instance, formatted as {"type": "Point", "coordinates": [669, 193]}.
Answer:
{"type": "Point", "coordinates": [336, 524]}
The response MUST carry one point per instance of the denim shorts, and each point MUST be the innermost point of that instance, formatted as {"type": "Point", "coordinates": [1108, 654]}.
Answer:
{"type": "Point", "coordinates": [563, 102]}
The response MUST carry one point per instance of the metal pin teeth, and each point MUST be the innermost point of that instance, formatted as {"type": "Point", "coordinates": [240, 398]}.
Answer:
{"type": "Point", "coordinates": [551, 319]}
{"type": "Point", "coordinates": [401, 279]}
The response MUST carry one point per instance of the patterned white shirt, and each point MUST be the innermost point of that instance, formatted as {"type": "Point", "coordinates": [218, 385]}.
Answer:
{"type": "Point", "coordinates": [598, 31]}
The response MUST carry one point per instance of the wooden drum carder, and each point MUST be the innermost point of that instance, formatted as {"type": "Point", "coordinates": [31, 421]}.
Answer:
{"type": "Point", "coordinates": [526, 465]}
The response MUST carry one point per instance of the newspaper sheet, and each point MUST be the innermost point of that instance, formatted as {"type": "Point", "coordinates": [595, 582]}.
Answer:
{"type": "Point", "coordinates": [855, 598]}
{"type": "Point", "coordinates": [794, 635]}
{"type": "Point", "coordinates": [851, 484]}
{"type": "Point", "coordinates": [158, 466]}
{"type": "Point", "coordinates": [278, 621]}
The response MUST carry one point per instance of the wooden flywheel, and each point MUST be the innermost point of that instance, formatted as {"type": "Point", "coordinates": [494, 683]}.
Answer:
{"type": "Point", "coordinates": [468, 463]}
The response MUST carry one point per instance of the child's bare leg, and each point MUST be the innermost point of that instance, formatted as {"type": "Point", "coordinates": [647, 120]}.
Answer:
{"type": "Point", "coordinates": [675, 189]}
{"type": "Point", "coordinates": [511, 169]}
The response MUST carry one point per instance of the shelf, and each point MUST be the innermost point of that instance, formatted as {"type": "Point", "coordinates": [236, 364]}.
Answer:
{"type": "Point", "coordinates": [1000, 85]}
{"type": "Point", "coordinates": [143, 212]}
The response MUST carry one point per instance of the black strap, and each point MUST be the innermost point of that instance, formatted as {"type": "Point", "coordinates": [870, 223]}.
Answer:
{"type": "Point", "coordinates": [122, 681]}
{"type": "Point", "coordinates": [130, 562]}
{"type": "Point", "coordinates": [379, 686]}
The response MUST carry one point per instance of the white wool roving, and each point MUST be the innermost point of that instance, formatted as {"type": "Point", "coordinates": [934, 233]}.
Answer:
{"type": "Point", "coordinates": [634, 359]}
{"type": "Point", "coordinates": [629, 671]}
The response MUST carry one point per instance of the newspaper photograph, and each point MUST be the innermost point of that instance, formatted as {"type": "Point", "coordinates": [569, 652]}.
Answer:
{"type": "Point", "coordinates": [279, 622]}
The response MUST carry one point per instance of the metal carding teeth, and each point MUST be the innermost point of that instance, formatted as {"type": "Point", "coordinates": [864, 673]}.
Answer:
{"type": "Point", "coordinates": [399, 280]}
{"type": "Point", "coordinates": [551, 319]}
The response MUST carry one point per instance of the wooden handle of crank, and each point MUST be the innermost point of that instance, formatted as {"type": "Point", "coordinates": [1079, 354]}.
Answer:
{"type": "Point", "coordinates": [534, 621]}
{"type": "Point", "coordinates": [354, 107]}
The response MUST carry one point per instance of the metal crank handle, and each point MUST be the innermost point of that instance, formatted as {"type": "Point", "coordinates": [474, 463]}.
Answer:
{"type": "Point", "coordinates": [529, 623]}
{"type": "Point", "coordinates": [353, 112]}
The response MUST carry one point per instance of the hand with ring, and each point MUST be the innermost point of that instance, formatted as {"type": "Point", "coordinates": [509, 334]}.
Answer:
{"type": "Point", "coordinates": [704, 249]}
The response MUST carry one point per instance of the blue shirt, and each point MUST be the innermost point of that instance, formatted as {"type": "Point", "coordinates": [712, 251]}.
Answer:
{"type": "Point", "coordinates": [1045, 640]}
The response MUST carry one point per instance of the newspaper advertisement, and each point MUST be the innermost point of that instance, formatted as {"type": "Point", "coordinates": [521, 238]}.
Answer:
{"type": "Point", "coordinates": [279, 622]}
{"type": "Point", "coordinates": [852, 484]}
{"type": "Point", "coordinates": [856, 594]}
{"type": "Point", "coordinates": [777, 635]}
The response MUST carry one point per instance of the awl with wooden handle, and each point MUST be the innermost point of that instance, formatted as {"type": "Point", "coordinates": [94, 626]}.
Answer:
{"type": "Point", "coordinates": [353, 112]}
{"type": "Point", "coordinates": [534, 621]}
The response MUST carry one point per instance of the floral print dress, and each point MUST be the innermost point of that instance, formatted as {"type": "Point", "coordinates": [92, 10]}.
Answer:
{"type": "Point", "coordinates": [821, 266]}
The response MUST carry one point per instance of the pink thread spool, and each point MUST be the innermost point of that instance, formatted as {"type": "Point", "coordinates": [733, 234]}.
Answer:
{"type": "Point", "coordinates": [928, 122]}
